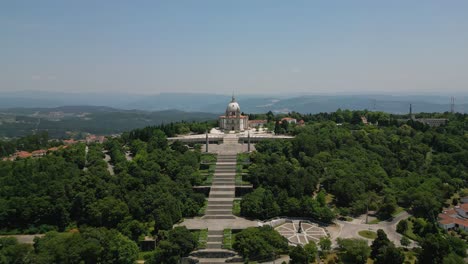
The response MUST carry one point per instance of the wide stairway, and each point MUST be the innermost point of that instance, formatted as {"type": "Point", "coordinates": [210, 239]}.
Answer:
{"type": "Point", "coordinates": [220, 199]}
{"type": "Point", "coordinates": [223, 189]}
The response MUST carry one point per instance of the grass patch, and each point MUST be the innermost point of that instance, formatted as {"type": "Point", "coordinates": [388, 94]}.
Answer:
{"type": "Point", "coordinates": [202, 238]}
{"type": "Point", "coordinates": [239, 180]}
{"type": "Point", "coordinates": [142, 254]}
{"type": "Point", "coordinates": [409, 233]}
{"type": "Point", "coordinates": [397, 211]}
{"type": "Point", "coordinates": [227, 239]}
{"type": "Point", "coordinates": [208, 158]}
{"type": "Point", "coordinates": [410, 257]}
{"type": "Point", "coordinates": [368, 234]}
{"type": "Point", "coordinates": [208, 174]}
{"type": "Point", "coordinates": [243, 157]}
{"type": "Point", "coordinates": [373, 222]}
{"type": "Point", "coordinates": [236, 207]}
{"type": "Point", "coordinates": [329, 198]}
{"type": "Point", "coordinates": [202, 210]}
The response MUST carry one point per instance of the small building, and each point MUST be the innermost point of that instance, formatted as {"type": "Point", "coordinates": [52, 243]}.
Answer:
{"type": "Point", "coordinates": [69, 141]}
{"type": "Point", "coordinates": [257, 123]}
{"type": "Point", "coordinates": [39, 153]}
{"type": "Point", "coordinates": [233, 120]}
{"type": "Point", "coordinates": [454, 218]}
{"type": "Point", "coordinates": [464, 199]}
{"type": "Point", "coordinates": [301, 123]}
{"type": "Point", "coordinates": [95, 139]}
{"type": "Point", "coordinates": [290, 120]}
{"type": "Point", "coordinates": [364, 120]}
{"type": "Point", "coordinates": [22, 154]}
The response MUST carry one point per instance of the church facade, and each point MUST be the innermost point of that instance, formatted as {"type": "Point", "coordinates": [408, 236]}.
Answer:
{"type": "Point", "coordinates": [233, 120]}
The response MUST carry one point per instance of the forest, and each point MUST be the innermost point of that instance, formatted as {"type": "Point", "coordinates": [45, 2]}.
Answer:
{"type": "Point", "coordinates": [330, 170]}
{"type": "Point", "coordinates": [71, 189]}
{"type": "Point", "coordinates": [326, 171]}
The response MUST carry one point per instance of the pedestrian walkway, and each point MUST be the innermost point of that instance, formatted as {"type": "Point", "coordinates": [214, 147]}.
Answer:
{"type": "Point", "coordinates": [223, 189]}
{"type": "Point", "coordinates": [218, 215]}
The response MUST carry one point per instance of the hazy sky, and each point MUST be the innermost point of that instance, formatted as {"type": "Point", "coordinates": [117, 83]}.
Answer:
{"type": "Point", "coordinates": [243, 46]}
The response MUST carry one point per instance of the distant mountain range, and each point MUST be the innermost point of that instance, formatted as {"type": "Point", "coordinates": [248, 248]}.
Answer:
{"type": "Point", "coordinates": [216, 103]}
{"type": "Point", "coordinates": [62, 122]}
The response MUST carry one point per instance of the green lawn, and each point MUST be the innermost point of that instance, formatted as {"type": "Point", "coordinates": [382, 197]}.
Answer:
{"type": "Point", "coordinates": [410, 257]}
{"type": "Point", "coordinates": [398, 210]}
{"type": "Point", "coordinates": [329, 198]}
{"type": "Point", "coordinates": [373, 222]}
{"type": "Point", "coordinates": [236, 207]}
{"type": "Point", "coordinates": [208, 158]}
{"type": "Point", "coordinates": [209, 174]}
{"type": "Point", "coordinates": [227, 239]}
{"type": "Point", "coordinates": [368, 234]}
{"type": "Point", "coordinates": [243, 157]}
{"type": "Point", "coordinates": [141, 254]}
{"type": "Point", "coordinates": [202, 238]}
{"type": "Point", "coordinates": [239, 180]}
{"type": "Point", "coordinates": [409, 233]}
{"type": "Point", "coordinates": [201, 212]}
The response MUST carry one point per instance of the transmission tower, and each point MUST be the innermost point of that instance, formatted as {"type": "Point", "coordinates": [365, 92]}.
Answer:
{"type": "Point", "coordinates": [452, 104]}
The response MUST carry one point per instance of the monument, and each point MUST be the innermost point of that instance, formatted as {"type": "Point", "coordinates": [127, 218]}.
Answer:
{"type": "Point", "coordinates": [233, 120]}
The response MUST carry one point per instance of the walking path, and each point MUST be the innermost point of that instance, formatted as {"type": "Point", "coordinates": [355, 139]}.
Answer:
{"type": "Point", "coordinates": [350, 229]}
{"type": "Point", "coordinates": [218, 215]}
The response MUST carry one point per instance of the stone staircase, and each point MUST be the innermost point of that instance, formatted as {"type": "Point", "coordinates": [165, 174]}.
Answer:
{"type": "Point", "coordinates": [220, 199]}
{"type": "Point", "coordinates": [223, 188]}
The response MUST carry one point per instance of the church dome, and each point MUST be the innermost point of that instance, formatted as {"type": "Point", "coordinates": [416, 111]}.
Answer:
{"type": "Point", "coordinates": [233, 107]}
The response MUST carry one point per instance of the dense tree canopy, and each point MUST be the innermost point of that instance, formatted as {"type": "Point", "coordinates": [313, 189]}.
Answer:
{"type": "Point", "coordinates": [375, 167]}
{"type": "Point", "coordinates": [262, 243]}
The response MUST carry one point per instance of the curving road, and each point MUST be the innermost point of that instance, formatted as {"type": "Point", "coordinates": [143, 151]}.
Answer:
{"type": "Point", "coordinates": [350, 229]}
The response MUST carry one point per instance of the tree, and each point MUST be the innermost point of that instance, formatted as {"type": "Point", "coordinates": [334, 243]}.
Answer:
{"type": "Point", "coordinates": [178, 243]}
{"type": "Point", "coordinates": [311, 251]}
{"type": "Point", "coordinates": [91, 245]}
{"type": "Point", "coordinates": [457, 246]}
{"type": "Point", "coordinates": [434, 249]}
{"type": "Point", "coordinates": [260, 243]}
{"type": "Point", "coordinates": [388, 206]}
{"type": "Point", "coordinates": [13, 252]}
{"type": "Point", "coordinates": [355, 250]}
{"type": "Point", "coordinates": [402, 226]}
{"type": "Point", "coordinates": [390, 255]}
{"type": "Point", "coordinates": [453, 258]}
{"type": "Point", "coordinates": [325, 243]}
{"type": "Point", "coordinates": [298, 255]}
{"type": "Point", "coordinates": [379, 243]}
{"type": "Point", "coordinates": [404, 241]}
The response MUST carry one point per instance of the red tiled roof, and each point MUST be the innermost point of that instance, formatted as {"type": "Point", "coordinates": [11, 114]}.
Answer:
{"type": "Point", "coordinates": [40, 151]}
{"type": "Point", "coordinates": [445, 218]}
{"type": "Point", "coordinates": [69, 141]}
{"type": "Point", "coordinates": [23, 154]}
{"type": "Point", "coordinates": [258, 121]}
{"type": "Point", "coordinates": [464, 207]}
{"type": "Point", "coordinates": [233, 116]}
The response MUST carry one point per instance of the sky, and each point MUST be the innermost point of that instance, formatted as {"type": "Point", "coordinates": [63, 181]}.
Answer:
{"type": "Point", "coordinates": [244, 46]}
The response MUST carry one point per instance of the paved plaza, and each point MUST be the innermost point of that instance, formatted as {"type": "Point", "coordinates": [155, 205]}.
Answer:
{"type": "Point", "coordinates": [301, 234]}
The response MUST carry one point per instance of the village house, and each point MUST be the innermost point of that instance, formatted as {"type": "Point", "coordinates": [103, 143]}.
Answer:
{"type": "Point", "coordinates": [257, 123]}
{"type": "Point", "coordinates": [290, 120]}
{"type": "Point", "coordinates": [456, 217]}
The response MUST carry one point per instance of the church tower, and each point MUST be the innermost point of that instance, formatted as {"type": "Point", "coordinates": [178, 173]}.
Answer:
{"type": "Point", "coordinates": [233, 120]}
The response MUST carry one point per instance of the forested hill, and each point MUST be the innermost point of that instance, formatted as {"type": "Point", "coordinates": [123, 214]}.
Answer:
{"type": "Point", "coordinates": [408, 165]}
{"type": "Point", "coordinates": [61, 122]}
{"type": "Point", "coordinates": [327, 170]}
{"type": "Point", "coordinates": [103, 215]}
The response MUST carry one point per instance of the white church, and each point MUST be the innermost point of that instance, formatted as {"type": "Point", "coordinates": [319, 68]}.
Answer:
{"type": "Point", "coordinates": [233, 120]}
